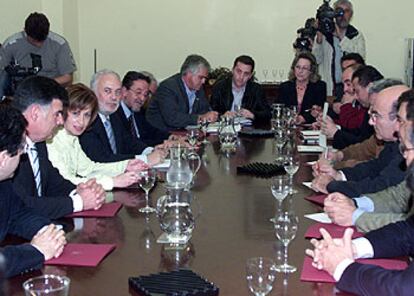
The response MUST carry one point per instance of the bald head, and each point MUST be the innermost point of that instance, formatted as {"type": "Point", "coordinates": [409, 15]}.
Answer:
{"type": "Point", "coordinates": [384, 113]}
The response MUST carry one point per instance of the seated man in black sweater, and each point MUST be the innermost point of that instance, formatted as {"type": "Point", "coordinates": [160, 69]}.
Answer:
{"type": "Point", "coordinates": [47, 240]}
{"type": "Point", "coordinates": [239, 93]}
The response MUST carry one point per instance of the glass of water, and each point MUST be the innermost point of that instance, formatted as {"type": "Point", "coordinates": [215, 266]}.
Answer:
{"type": "Point", "coordinates": [291, 166]}
{"type": "Point", "coordinates": [280, 189]}
{"type": "Point", "coordinates": [260, 275]}
{"type": "Point", "coordinates": [146, 182]}
{"type": "Point", "coordinates": [48, 284]}
{"type": "Point", "coordinates": [286, 226]}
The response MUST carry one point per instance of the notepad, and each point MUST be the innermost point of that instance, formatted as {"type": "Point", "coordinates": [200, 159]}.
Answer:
{"type": "Point", "coordinates": [319, 217]}
{"type": "Point", "coordinates": [107, 210]}
{"type": "Point", "coordinates": [88, 255]}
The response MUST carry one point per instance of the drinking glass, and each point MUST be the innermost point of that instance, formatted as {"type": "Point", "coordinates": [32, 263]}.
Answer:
{"type": "Point", "coordinates": [286, 226]}
{"type": "Point", "coordinates": [204, 125]}
{"type": "Point", "coordinates": [291, 166]}
{"type": "Point", "coordinates": [280, 140]}
{"type": "Point", "coordinates": [146, 182]}
{"type": "Point", "coordinates": [192, 139]}
{"type": "Point", "coordinates": [260, 275]}
{"type": "Point", "coordinates": [280, 189]}
{"type": "Point", "coordinates": [48, 284]}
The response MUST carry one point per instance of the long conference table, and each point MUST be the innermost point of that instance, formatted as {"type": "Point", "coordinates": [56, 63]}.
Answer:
{"type": "Point", "coordinates": [233, 225]}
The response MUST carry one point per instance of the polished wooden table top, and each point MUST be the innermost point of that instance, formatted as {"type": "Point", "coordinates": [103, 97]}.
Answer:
{"type": "Point", "coordinates": [233, 226]}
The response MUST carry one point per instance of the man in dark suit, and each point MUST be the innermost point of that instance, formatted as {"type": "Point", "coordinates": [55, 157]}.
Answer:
{"type": "Point", "coordinates": [135, 91]}
{"type": "Point", "coordinates": [240, 94]}
{"type": "Point", "coordinates": [376, 174]}
{"type": "Point", "coordinates": [107, 140]}
{"type": "Point", "coordinates": [362, 80]}
{"type": "Point", "coordinates": [337, 257]}
{"type": "Point", "coordinates": [180, 100]}
{"type": "Point", "coordinates": [47, 241]}
{"type": "Point", "coordinates": [40, 185]}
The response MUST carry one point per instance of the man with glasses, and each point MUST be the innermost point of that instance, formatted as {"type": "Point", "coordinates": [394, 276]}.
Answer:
{"type": "Point", "coordinates": [180, 99]}
{"type": "Point", "coordinates": [390, 205]}
{"type": "Point", "coordinates": [377, 174]}
{"type": "Point", "coordinates": [135, 92]}
{"type": "Point", "coordinates": [239, 94]}
{"type": "Point", "coordinates": [107, 140]}
{"type": "Point", "coordinates": [362, 80]}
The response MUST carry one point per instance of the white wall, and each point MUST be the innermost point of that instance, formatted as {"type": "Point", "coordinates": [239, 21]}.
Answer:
{"type": "Point", "coordinates": [156, 35]}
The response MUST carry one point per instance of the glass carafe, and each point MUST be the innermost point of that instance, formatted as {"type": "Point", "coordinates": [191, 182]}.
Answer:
{"type": "Point", "coordinates": [175, 215]}
{"type": "Point", "coordinates": [227, 132]}
{"type": "Point", "coordinates": [179, 174]}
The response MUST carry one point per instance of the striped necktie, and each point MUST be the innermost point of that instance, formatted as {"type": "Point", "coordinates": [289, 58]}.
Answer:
{"type": "Point", "coordinates": [132, 126]}
{"type": "Point", "coordinates": [110, 134]}
{"type": "Point", "coordinates": [36, 169]}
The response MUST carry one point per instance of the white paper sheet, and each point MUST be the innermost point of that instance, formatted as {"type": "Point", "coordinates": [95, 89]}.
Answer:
{"type": "Point", "coordinates": [310, 148]}
{"type": "Point", "coordinates": [163, 165]}
{"type": "Point", "coordinates": [319, 217]}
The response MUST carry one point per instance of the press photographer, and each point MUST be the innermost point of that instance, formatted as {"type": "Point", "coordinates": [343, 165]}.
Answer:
{"type": "Point", "coordinates": [335, 37]}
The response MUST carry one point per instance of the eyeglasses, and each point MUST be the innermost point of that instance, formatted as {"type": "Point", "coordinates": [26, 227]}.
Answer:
{"type": "Point", "coordinates": [404, 149]}
{"type": "Point", "coordinates": [374, 115]}
{"type": "Point", "coordinates": [299, 68]}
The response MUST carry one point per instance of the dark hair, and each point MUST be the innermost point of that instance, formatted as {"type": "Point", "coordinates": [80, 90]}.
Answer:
{"type": "Point", "coordinates": [366, 75]}
{"type": "Point", "coordinates": [132, 76]}
{"type": "Point", "coordinates": [37, 26]}
{"type": "Point", "coordinates": [38, 90]}
{"type": "Point", "coordinates": [353, 56]}
{"type": "Point", "coordinates": [81, 97]}
{"type": "Point", "coordinates": [314, 76]}
{"type": "Point", "coordinates": [12, 128]}
{"type": "Point", "coordinates": [407, 97]}
{"type": "Point", "coordinates": [244, 59]}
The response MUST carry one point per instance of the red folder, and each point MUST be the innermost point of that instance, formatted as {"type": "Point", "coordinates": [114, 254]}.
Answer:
{"type": "Point", "coordinates": [336, 231]}
{"type": "Point", "coordinates": [318, 199]}
{"type": "Point", "coordinates": [106, 211]}
{"type": "Point", "coordinates": [311, 274]}
{"type": "Point", "coordinates": [89, 255]}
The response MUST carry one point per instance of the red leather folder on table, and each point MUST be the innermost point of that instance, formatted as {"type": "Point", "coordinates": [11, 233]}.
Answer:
{"type": "Point", "coordinates": [318, 199]}
{"type": "Point", "coordinates": [89, 255]}
{"type": "Point", "coordinates": [106, 211]}
{"type": "Point", "coordinates": [311, 274]}
{"type": "Point", "coordinates": [336, 231]}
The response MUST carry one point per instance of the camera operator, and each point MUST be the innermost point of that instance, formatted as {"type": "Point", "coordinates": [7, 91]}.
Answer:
{"type": "Point", "coordinates": [329, 47]}
{"type": "Point", "coordinates": [36, 50]}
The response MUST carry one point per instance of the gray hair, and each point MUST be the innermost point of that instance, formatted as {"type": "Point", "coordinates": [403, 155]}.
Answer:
{"type": "Point", "coordinates": [380, 85]}
{"type": "Point", "coordinates": [97, 76]}
{"type": "Point", "coordinates": [344, 2]}
{"type": "Point", "coordinates": [150, 76]}
{"type": "Point", "coordinates": [193, 63]}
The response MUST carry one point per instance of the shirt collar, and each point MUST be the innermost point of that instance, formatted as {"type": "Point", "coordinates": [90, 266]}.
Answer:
{"type": "Point", "coordinates": [104, 118]}
{"type": "Point", "coordinates": [126, 110]}
{"type": "Point", "coordinates": [29, 143]}
{"type": "Point", "coordinates": [236, 89]}
{"type": "Point", "coordinates": [189, 92]}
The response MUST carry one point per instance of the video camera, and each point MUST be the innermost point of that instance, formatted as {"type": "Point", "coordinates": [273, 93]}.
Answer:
{"type": "Point", "coordinates": [324, 22]}
{"type": "Point", "coordinates": [18, 73]}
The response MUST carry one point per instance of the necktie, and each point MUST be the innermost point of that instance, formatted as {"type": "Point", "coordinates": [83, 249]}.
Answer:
{"type": "Point", "coordinates": [110, 134]}
{"type": "Point", "coordinates": [36, 170]}
{"type": "Point", "coordinates": [132, 126]}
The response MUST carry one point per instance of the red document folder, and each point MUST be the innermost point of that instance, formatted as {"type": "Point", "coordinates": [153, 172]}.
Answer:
{"type": "Point", "coordinates": [318, 199]}
{"type": "Point", "coordinates": [334, 230]}
{"type": "Point", "coordinates": [106, 211]}
{"type": "Point", "coordinates": [89, 255]}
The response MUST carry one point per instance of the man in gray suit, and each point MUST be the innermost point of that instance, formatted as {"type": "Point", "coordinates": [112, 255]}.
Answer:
{"type": "Point", "coordinates": [180, 100]}
{"type": "Point", "coordinates": [387, 206]}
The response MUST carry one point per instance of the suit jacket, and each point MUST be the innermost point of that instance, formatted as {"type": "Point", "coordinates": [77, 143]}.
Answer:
{"type": "Point", "coordinates": [253, 99]}
{"type": "Point", "coordinates": [55, 201]}
{"type": "Point", "coordinates": [18, 220]}
{"type": "Point", "coordinates": [168, 109]}
{"type": "Point", "coordinates": [388, 169]}
{"type": "Point", "coordinates": [315, 94]}
{"type": "Point", "coordinates": [393, 240]}
{"type": "Point", "coordinates": [390, 205]}
{"type": "Point", "coordinates": [95, 142]}
{"type": "Point", "coordinates": [345, 137]}
{"type": "Point", "coordinates": [148, 134]}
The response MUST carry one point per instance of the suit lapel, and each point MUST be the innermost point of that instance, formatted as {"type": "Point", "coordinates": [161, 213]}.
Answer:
{"type": "Point", "coordinates": [25, 175]}
{"type": "Point", "coordinates": [183, 92]}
